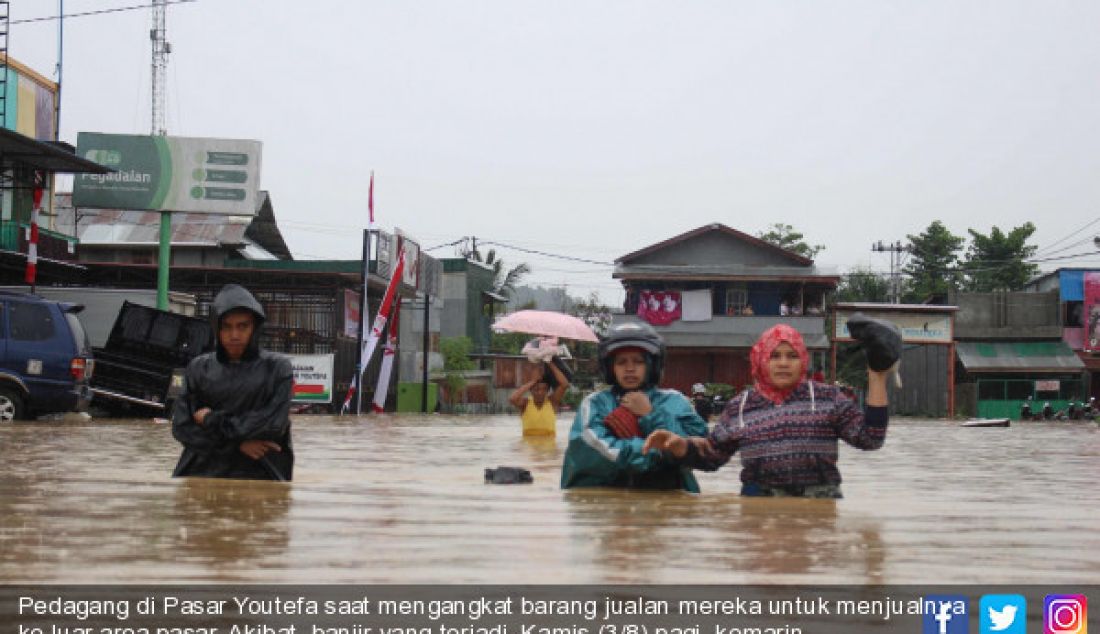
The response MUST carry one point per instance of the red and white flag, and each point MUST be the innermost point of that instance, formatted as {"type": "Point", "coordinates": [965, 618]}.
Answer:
{"type": "Point", "coordinates": [32, 239]}
{"type": "Point", "coordinates": [370, 198]}
{"type": "Point", "coordinates": [371, 342]}
{"type": "Point", "coordinates": [383, 311]}
{"type": "Point", "coordinates": [388, 353]}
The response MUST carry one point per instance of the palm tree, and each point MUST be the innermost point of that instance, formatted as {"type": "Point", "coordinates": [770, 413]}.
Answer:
{"type": "Point", "coordinates": [503, 283]}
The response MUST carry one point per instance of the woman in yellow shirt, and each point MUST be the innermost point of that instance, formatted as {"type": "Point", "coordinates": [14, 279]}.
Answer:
{"type": "Point", "coordinates": [539, 411]}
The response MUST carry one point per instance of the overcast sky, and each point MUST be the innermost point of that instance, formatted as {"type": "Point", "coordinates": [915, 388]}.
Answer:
{"type": "Point", "coordinates": [593, 128]}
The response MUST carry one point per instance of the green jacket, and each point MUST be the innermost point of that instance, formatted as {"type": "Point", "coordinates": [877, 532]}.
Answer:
{"type": "Point", "coordinates": [596, 457]}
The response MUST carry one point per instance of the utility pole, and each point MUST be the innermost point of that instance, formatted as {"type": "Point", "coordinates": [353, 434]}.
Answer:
{"type": "Point", "coordinates": [161, 48]}
{"type": "Point", "coordinates": [895, 250]}
{"type": "Point", "coordinates": [158, 34]}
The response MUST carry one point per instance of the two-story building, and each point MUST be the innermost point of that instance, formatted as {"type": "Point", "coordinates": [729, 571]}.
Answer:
{"type": "Point", "coordinates": [1078, 315]}
{"type": "Point", "coordinates": [1009, 349]}
{"type": "Point", "coordinates": [30, 155]}
{"type": "Point", "coordinates": [712, 291]}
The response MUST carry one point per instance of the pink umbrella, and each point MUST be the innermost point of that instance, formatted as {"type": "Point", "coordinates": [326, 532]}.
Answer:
{"type": "Point", "coordinates": [546, 323]}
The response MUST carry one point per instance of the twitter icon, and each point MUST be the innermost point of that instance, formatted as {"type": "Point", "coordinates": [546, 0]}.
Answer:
{"type": "Point", "coordinates": [1002, 614]}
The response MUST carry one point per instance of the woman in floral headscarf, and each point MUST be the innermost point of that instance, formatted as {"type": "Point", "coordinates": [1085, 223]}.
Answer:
{"type": "Point", "coordinates": [785, 426]}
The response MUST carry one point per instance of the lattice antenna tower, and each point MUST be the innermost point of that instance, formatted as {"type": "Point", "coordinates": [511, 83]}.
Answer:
{"type": "Point", "coordinates": [161, 48]}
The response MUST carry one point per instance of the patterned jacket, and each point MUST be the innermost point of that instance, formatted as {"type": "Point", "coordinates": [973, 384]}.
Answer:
{"type": "Point", "coordinates": [791, 444]}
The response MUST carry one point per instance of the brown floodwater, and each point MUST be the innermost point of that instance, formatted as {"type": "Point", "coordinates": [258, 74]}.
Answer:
{"type": "Point", "coordinates": [390, 499]}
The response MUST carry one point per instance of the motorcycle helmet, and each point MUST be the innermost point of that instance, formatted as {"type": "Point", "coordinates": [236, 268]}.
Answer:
{"type": "Point", "coordinates": [633, 335]}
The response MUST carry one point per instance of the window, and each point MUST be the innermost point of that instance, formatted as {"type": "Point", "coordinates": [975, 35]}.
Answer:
{"type": "Point", "coordinates": [991, 390]}
{"type": "Point", "coordinates": [1073, 312]}
{"type": "Point", "coordinates": [736, 300]}
{"type": "Point", "coordinates": [1018, 390]}
{"type": "Point", "coordinates": [31, 322]}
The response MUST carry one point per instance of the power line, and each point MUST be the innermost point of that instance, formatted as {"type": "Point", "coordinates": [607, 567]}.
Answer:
{"type": "Point", "coordinates": [99, 12]}
{"type": "Point", "coordinates": [545, 254]}
{"type": "Point", "coordinates": [1068, 236]}
{"type": "Point", "coordinates": [449, 244]}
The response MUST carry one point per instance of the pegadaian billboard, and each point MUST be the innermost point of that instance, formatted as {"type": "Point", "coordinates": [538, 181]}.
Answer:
{"type": "Point", "coordinates": [162, 173]}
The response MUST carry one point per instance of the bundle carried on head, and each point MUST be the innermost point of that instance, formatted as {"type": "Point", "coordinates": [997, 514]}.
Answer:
{"type": "Point", "coordinates": [547, 350]}
{"type": "Point", "coordinates": [541, 349]}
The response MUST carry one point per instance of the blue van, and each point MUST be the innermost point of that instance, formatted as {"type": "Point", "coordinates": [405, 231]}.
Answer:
{"type": "Point", "coordinates": [45, 360]}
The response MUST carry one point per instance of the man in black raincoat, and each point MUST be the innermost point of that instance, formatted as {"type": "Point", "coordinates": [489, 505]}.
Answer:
{"type": "Point", "coordinates": [233, 418]}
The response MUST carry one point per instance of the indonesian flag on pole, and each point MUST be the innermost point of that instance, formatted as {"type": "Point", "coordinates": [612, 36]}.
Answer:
{"type": "Point", "coordinates": [32, 240]}
{"type": "Point", "coordinates": [383, 311]}
{"type": "Point", "coordinates": [371, 342]}
{"type": "Point", "coordinates": [388, 353]}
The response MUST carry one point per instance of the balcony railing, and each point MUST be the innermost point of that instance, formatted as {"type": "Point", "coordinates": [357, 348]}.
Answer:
{"type": "Point", "coordinates": [737, 331]}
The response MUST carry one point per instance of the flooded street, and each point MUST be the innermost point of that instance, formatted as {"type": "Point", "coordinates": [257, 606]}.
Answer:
{"type": "Point", "coordinates": [402, 499]}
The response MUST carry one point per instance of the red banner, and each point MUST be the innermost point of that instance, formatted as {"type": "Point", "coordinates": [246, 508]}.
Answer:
{"type": "Point", "coordinates": [659, 308]}
{"type": "Point", "coordinates": [1092, 310]}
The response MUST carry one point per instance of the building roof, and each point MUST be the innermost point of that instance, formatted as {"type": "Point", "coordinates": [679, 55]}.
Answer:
{"type": "Point", "coordinates": [795, 258]}
{"type": "Point", "coordinates": [263, 229]}
{"type": "Point", "coordinates": [123, 228]}
{"type": "Point", "coordinates": [18, 150]}
{"type": "Point", "coordinates": [1057, 273]}
{"type": "Point", "coordinates": [676, 260]}
{"type": "Point", "coordinates": [1048, 357]}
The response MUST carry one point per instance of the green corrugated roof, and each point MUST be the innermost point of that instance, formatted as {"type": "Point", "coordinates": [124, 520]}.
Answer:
{"type": "Point", "coordinates": [1018, 356]}
{"type": "Point", "coordinates": [1037, 349]}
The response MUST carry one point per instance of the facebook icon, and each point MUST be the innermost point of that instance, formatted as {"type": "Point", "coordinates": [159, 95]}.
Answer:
{"type": "Point", "coordinates": [944, 614]}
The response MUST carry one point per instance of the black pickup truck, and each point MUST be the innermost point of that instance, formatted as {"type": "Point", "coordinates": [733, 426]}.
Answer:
{"type": "Point", "coordinates": [140, 369]}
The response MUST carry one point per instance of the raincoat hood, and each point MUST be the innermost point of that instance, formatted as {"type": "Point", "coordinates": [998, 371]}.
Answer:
{"type": "Point", "coordinates": [762, 351]}
{"type": "Point", "coordinates": [230, 298]}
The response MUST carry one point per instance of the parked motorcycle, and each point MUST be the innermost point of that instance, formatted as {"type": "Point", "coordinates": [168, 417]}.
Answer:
{"type": "Point", "coordinates": [1090, 411]}
{"type": "Point", "coordinates": [1025, 410]}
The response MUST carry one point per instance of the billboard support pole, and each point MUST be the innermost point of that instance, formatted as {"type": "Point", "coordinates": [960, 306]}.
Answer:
{"type": "Point", "coordinates": [427, 347]}
{"type": "Point", "coordinates": [363, 312]}
{"type": "Point", "coordinates": [164, 258]}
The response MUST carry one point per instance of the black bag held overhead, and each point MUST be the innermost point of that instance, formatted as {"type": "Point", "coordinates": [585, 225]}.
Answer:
{"type": "Point", "coordinates": [508, 475]}
{"type": "Point", "coordinates": [881, 340]}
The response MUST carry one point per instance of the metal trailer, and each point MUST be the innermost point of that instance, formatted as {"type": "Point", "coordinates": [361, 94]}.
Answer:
{"type": "Point", "coordinates": [140, 368]}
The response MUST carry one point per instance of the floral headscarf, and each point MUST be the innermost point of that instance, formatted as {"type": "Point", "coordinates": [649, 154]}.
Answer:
{"type": "Point", "coordinates": [762, 351]}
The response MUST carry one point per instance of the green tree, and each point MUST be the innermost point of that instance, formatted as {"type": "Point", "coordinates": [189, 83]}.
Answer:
{"type": "Point", "coordinates": [933, 269]}
{"type": "Point", "coordinates": [593, 312]}
{"type": "Point", "coordinates": [858, 285]}
{"type": "Point", "coordinates": [504, 281]}
{"type": "Point", "coordinates": [863, 285]}
{"type": "Point", "coordinates": [998, 261]}
{"type": "Point", "coordinates": [456, 361]}
{"type": "Point", "coordinates": [784, 236]}
{"type": "Point", "coordinates": [597, 315]}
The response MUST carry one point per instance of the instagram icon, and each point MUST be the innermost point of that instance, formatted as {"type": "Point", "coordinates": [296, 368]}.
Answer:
{"type": "Point", "coordinates": [1065, 614]}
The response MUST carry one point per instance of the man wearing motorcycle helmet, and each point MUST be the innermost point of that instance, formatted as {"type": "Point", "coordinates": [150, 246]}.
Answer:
{"type": "Point", "coordinates": [605, 441]}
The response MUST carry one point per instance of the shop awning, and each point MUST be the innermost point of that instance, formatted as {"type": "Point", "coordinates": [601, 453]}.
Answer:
{"type": "Point", "coordinates": [23, 151]}
{"type": "Point", "coordinates": [1053, 357]}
